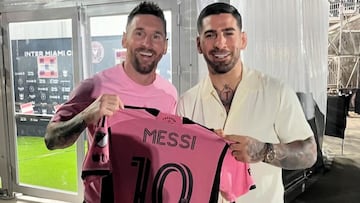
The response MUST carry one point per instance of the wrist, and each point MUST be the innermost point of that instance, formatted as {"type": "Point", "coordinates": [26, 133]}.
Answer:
{"type": "Point", "coordinates": [79, 124]}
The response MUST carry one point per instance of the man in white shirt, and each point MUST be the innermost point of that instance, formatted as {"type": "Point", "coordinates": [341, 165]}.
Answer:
{"type": "Point", "coordinates": [259, 115]}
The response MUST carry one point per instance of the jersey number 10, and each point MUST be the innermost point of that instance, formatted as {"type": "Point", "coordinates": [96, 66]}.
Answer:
{"type": "Point", "coordinates": [144, 165]}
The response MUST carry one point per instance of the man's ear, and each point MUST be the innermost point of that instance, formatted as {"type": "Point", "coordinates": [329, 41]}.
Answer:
{"type": "Point", "coordinates": [123, 40]}
{"type": "Point", "coordinates": [243, 40]}
{"type": "Point", "coordinates": [198, 45]}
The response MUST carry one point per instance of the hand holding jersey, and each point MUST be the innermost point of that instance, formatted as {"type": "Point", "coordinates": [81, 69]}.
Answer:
{"type": "Point", "coordinates": [245, 149]}
{"type": "Point", "coordinates": [104, 105]}
{"type": "Point", "coordinates": [173, 147]}
{"type": "Point", "coordinates": [160, 146]}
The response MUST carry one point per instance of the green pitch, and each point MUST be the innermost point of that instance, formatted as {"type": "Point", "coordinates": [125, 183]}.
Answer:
{"type": "Point", "coordinates": [41, 167]}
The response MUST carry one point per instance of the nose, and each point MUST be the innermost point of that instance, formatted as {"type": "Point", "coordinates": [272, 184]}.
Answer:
{"type": "Point", "coordinates": [219, 41]}
{"type": "Point", "coordinates": [147, 41]}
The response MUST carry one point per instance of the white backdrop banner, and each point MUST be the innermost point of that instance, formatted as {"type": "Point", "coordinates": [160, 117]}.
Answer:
{"type": "Point", "coordinates": [288, 40]}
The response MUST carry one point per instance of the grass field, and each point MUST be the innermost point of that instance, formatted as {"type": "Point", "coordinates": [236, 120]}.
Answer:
{"type": "Point", "coordinates": [42, 167]}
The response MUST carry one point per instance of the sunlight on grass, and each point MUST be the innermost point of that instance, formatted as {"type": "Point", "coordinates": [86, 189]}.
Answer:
{"type": "Point", "coordinates": [42, 167]}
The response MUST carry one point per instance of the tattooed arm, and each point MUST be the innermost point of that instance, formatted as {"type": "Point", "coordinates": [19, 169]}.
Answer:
{"type": "Point", "coordinates": [294, 155]}
{"type": "Point", "coordinates": [63, 134]}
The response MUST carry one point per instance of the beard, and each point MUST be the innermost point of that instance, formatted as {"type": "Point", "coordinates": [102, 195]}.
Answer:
{"type": "Point", "coordinates": [144, 68]}
{"type": "Point", "coordinates": [221, 67]}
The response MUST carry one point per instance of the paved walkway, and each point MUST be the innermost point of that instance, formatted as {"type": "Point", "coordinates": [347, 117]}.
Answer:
{"type": "Point", "coordinates": [332, 146]}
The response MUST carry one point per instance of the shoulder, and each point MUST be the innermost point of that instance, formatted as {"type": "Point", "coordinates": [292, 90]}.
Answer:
{"type": "Point", "coordinates": [273, 90]}
{"type": "Point", "coordinates": [88, 86]}
{"type": "Point", "coordinates": [79, 99]}
{"type": "Point", "coordinates": [84, 88]}
{"type": "Point", "coordinates": [264, 82]}
{"type": "Point", "coordinates": [277, 91]}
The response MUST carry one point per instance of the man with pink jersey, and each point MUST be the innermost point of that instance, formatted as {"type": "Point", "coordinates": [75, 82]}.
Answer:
{"type": "Point", "coordinates": [166, 162]}
{"type": "Point", "coordinates": [259, 115]}
{"type": "Point", "coordinates": [134, 82]}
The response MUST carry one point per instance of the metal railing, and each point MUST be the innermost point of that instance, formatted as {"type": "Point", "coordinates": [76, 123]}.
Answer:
{"type": "Point", "coordinates": [343, 6]}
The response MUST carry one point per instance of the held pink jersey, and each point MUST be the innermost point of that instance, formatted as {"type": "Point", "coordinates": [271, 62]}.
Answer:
{"type": "Point", "coordinates": [158, 157]}
{"type": "Point", "coordinates": [161, 94]}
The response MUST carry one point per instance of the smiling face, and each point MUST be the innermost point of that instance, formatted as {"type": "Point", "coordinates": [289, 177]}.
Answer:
{"type": "Point", "coordinates": [221, 41]}
{"type": "Point", "coordinates": [145, 41]}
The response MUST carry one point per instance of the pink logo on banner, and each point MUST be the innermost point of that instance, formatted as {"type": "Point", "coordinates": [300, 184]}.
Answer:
{"type": "Point", "coordinates": [47, 67]}
{"type": "Point", "coordinates": [98, 52]}
{"type": "Point", "coordinates": [27, 108]}
{"type": "Point", "coordinates": [120, 56]}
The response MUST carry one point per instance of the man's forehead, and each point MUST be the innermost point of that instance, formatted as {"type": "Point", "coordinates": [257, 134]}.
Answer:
{"type": "Point", "coordinates": [220, 22]}
{"type": "Point", "coordinates": [147, 21]}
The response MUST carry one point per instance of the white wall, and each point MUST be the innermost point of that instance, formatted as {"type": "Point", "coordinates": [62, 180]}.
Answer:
{"type": "Point", "coordinates": [288, 40]}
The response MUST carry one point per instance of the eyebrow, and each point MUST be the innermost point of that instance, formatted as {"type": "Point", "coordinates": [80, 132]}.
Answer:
{"type": "Point", "coordinates": [209, 31]}
{"type": "Point", "coordinates": [143, 29]}
{"type": "Point", "coordinates": [139, 29]}
{"type": "Point", "coordinates": [228, 29]}
{"type": "Point", "coordinates": [223, 30]}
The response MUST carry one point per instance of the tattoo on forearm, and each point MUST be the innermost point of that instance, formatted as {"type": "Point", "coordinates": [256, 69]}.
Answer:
{"type": "Point", "coordinates": [295, 155]}
{"type": "Point", "coordinates": [256, 151]}
{"type": "Point", "coordinates": [66, 133]}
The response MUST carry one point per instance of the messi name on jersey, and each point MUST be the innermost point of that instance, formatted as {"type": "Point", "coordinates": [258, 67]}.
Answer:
{"type": "Point", "coordinates": [169, 138]}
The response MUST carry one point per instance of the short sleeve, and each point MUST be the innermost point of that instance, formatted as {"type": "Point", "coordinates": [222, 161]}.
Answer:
{"type": "Point", "coordinates": [291, 123]}
{"type": "Point", "coordinates": [79, 99]}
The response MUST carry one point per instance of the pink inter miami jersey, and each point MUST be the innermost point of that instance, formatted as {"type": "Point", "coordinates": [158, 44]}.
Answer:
{"type": "Point", "coordinates": [157, 157]}
{"type": "Point", "coordinates": [161, 94]}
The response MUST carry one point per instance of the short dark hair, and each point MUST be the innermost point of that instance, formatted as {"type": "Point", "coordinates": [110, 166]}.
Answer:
{"type": "Point", "coordinates": [218, 8]}
{"type": "Point", "coordinates": [147, 7]}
